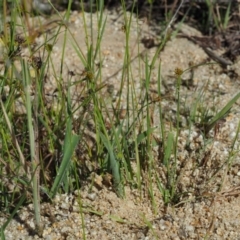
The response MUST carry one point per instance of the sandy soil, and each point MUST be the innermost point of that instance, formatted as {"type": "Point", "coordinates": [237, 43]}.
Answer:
{"type": "Point", "coordinates": [204, 211]}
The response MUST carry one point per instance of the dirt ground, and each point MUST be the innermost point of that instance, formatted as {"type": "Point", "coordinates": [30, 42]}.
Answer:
{"type": "Point", "coordinates": [203, 212]}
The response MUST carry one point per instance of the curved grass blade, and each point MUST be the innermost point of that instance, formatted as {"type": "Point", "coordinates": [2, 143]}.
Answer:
{"type": "Point", "coordinates": [114, 166]}
{"type": "Point", "coordinates": [70, 143]}
{"type": "Point", "coordinates": [221, 114]}
{"type": "Point", "coordinates": [19, 204]}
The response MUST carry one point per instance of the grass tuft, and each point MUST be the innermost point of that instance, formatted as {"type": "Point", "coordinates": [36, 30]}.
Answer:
{"type": "Point", "coordinates": [45, 150]}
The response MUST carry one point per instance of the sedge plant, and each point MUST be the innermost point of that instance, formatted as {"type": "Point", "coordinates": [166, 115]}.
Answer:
{"type": "Point", "coordinates": [50, 165]}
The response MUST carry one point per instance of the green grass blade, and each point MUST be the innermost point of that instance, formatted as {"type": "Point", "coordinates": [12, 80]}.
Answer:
{"type": "Point", "coordinates": [33, 139]}
{"type": "Point", "coordinates": [227, 16]}
{"type": "Point", "coordinates": [168, 148]}
{"type": "Point", "coordinates": [19, 204]}
{"type": "Point", "coordinates": [221, 114]}
{"type": "Point", "coordinates": [114, 165]}
{"type": "Point", "coordinates": [70, 143]}
{"type": "Point", "coordinates": [145, 134]}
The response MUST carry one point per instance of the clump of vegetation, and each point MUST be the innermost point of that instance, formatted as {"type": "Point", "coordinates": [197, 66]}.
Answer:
{"type": "Point", "coordinates": [41, 143]}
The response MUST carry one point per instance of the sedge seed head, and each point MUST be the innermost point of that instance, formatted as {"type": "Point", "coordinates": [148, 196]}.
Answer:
{"type": "Point", "coordinates": [36, 62]}
{"type": "Point", "coordinates": [49, 47]}
{"type": "Point", "coordinates": [123, 28]}
{"type": "Point", "coordinates": [71, 73]}
{"type": "Point", "coordinates": [89, 75]}
{"type": "Point", "coordinates": [178, 72]}
{"type": "Point", "coordinates": [19, 39]}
